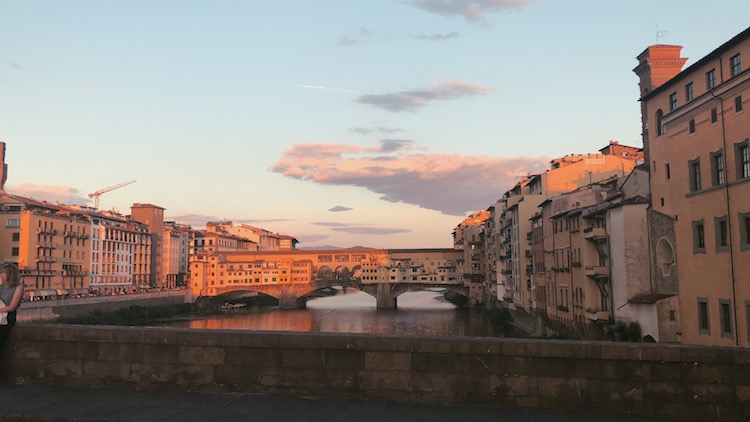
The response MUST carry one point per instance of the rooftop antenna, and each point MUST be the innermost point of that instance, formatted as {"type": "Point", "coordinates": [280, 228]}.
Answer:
{"type": "Point", "coordinates": [660, 34]}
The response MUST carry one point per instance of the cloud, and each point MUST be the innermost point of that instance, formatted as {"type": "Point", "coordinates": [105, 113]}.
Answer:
{"type": "Point", "coordinates": [326, 88]}
{"type": "Point", "coordinates": [380, 129]}
{"type": "Point", "coordinates": [339, 208]}
{"type": "Point", "coordinates": [416, 99]}
{"type": "Point", "coordinates": [379, 231]}
{"type": "Point", "coordinates": [437, 37]}
{"type": "Point", "coordinates": [470, 10]}
{"type": "Point", "coordinates": [363, 35]}
{"type": "Point", "coordinates": [51, 193]}
{"type": "Point", "coordinates": [452, 184]}
{"type": "Point", "coordinates": [13, 64]}
{"type": "Point", "coordinates": [81, 85]}
{"type": "Point", "coordinates": [361, 229]}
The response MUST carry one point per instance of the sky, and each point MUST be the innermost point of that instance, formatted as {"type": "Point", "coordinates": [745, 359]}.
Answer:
{"type": "Point", "coordinates": [343, 123]}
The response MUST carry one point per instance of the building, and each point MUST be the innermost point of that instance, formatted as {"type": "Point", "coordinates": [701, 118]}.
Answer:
{"type": "Point", "coordinates": [49, 243]}
{"type": "Point", "coordinates": [468, 237]}
{"type": "Point", "coordinates": [176, 253]}
{"type": "Point", "coordinates": [516, 279]}
{"type": "Point", "coordinates": [120, 252]}
{"type": "Point", "coordinates": [695, 136]}
{"type": "Point", "coordinates": [3, 167]}
{"type": "Point", "coordinates": [153, 217]}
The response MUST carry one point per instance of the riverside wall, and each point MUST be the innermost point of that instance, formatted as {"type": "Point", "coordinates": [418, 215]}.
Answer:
{"type": "Point", "coordinates": [50, 309]}
{"type": "Point", "coordinates": [598, 376]}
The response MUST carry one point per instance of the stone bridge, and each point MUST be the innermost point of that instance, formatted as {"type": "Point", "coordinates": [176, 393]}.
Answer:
{"type": "Point", "coordinates": [294, 296]}
{"type": "Point", "coordinates": [292, 276]}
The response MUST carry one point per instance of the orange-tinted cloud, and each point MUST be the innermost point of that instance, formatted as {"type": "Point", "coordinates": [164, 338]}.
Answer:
{"type": "Point", "coordinates": [416, 99]}
{"type": "Point", "coordinates": [453, 184]}
{"type": "Point", "coordinates": [50, 193]}
{"type": "Point", "coordinates": [470, 10]}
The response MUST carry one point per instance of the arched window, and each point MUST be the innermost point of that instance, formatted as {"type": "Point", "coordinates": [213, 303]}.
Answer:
{"type": "Point", "coordinates": [659, 124]}
{"type": "Point", "coordinates": [665, 256]}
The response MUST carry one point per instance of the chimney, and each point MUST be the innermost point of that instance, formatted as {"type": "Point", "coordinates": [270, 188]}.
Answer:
{"type": "Point", "coordinates": [658, 64]}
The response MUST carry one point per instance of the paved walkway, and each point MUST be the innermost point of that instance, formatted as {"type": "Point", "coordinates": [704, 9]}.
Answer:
{"type": "Point", "coordinates": [52, 403]}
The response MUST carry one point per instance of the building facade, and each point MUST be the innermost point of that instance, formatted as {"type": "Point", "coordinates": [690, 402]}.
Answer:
{"type": "Point", "coordinates": [695, 133]}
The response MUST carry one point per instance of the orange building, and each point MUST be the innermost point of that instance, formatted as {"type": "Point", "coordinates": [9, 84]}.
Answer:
{"type": "Point", "coordinates": [695, 134]}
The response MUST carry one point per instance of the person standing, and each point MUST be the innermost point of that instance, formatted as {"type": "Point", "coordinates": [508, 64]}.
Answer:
{"type": "Point", "coordinates": [11, 293]}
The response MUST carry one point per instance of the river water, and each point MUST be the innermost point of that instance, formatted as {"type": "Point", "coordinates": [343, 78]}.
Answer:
{"type": "Point", "coordinates": [419, 313]}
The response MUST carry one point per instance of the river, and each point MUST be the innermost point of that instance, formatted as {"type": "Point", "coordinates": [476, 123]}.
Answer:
{"type": "Point", "coordinates": [419, 313]}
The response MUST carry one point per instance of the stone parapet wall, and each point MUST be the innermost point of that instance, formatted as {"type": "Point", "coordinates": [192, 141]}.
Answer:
{"type": "Point", "coordinates": [597, 376]}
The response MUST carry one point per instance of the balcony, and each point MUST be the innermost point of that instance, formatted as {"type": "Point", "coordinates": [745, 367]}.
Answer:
{"type": "Point", "coordinates": [528, 253]}
{"type": "Point", "coordinates": [507, 272]}
{"type": "Point", "coordinates": [597, 315]}
{"type": "Point", "coordinates": [595, 234]}
{"type": "Point", "coordinates": [46, 259]}
{"type": "Point", "coordinates": [597, 272]}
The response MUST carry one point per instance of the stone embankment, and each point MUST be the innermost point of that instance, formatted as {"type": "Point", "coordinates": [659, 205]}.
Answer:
{"type": "Point", "coordinates": [51, 309]}
{"type": "Point", "coordinates": [595, 376]}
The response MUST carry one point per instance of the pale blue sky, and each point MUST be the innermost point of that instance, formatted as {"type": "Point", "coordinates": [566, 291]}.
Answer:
{"type": "Point", "coordinates": [209, 105]}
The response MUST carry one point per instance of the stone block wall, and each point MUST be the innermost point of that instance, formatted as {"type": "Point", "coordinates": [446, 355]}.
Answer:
{"type": "Point", "coordinates": [600, 376]}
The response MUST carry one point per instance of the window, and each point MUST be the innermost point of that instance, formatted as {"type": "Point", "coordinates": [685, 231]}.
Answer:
{"type": "Point", "coordinates": [725, 318]}
{"type": "Point", "coordinates": [742, 157]}
{"type": "Point", "coordinates": [660, 128]}
{"type": "Point", "coordinates": [689, 91]}
{"type": "Point", "coordinates": [703, 322]}
{"type": "Point", "coordinates": [699, 237]}
{"type": "Point", "coordinates": [714, 116]}
{"type": "Point", "coordinates": [14, 251]}
{"type": "Point", "coordinates": [16, 237]}
{"type": "Point", "coordinates": [692, 125]}
{"type": "Point", "coordinates": [735, 65]}
{"type": "Point", "coordinates": [717, 168]}
{"type": "Point", "coordinates": [722, 234]}
{"type": "Point", "coordinates": [711, 79]}
{"type": "Point", "coordinates": [673, 101]}
{"type": "Point", "coordinates": [695, 175]}
{"type": "Point", "coordinates": [745, 231]}
{"type": "Point", "coordinates": [738, 103]}
{"type": "Point", "coordinates": [668, 171]}
{"type": "Point", "coordinates": [13, 222]}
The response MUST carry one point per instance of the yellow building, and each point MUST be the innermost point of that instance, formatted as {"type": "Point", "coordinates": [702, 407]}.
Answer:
{"type": "Point", "coordinates": [695, 134]}
{"type": "Point", "coordinates": [50, 244]}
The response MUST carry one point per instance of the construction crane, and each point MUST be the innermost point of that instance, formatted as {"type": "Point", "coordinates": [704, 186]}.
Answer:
{"type": "Point", "coordinates": [95, 196]}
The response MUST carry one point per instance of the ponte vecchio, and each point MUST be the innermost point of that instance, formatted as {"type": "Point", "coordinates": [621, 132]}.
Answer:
{"type": "Point", "coordinates": [292, 276]}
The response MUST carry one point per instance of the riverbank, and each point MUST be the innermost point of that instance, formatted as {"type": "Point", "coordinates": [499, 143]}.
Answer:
{"type": "Point", "coordinates": [49, 310]}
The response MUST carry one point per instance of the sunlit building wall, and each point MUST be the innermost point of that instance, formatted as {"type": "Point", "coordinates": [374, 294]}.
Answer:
{"type": "Point", "coordinates": [695, 132]}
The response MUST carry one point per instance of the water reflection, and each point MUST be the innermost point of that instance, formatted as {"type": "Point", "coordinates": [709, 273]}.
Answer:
{"type": "Point", "coordinates": [418, 313]}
